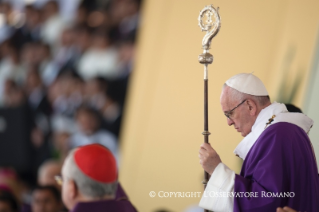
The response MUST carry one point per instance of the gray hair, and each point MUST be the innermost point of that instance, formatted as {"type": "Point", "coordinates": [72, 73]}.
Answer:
{"type": "Point", "coordinates": [239, 96]}
{"type": "Point", "coordinates": [87, 186]}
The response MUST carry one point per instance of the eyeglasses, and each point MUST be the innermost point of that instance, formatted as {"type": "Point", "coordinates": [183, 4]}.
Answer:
{"type": "Point", "coordinates": [59, 179]}
{"type": "Point", "coordinates": [230, 113]}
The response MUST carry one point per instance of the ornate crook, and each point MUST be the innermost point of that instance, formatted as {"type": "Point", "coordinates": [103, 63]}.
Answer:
{"type": "Point", "coordinates": [211, 27]}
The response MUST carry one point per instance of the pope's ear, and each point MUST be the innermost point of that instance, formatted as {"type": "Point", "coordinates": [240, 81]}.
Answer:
{"type": "Point", "coordinates": [252, 107]}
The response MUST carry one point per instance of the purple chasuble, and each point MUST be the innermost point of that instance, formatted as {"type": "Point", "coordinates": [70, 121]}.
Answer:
{"type": "Point", "coordinates": [120, 193]}
{"type": "Point", "coordinates": [281, 162]}
{"type": "Point", "coordinates": [122, 196]}
{"type": "Point", "coordinates": [121, 203]}
{"type": "Point", "coordinates": [104, 206]}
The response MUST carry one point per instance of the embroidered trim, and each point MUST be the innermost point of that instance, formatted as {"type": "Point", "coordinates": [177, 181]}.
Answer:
{"type": "Point", "coordinates": [270, 121]}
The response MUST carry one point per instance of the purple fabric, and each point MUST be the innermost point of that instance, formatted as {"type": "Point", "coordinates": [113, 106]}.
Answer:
{"type": "Point", "coordinates": [120, 204]}
{"type": "Point", "coordinates": [281, 160]}
{"type": "Point", "coordinates": [25, 208]}
{"type": "Point", "coordinates": [120, 193]}
{"type": "Point", "coordinates": [104, 206]}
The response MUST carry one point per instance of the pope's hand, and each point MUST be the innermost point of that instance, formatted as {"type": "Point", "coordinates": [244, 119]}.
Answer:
{"type": "Point", "coordinates": [208, 158]}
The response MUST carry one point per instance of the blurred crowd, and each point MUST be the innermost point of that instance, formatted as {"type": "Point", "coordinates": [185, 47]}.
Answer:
{"type": "Point", "coordinates": [68, 63]}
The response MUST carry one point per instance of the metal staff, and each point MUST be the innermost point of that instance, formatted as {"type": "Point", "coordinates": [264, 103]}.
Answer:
{"type": "Point", "coordinates": [211, 27]}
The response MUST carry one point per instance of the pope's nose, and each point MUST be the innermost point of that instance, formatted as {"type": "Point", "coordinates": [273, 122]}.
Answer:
{"type": "Point", "coordinates": [230, 122]}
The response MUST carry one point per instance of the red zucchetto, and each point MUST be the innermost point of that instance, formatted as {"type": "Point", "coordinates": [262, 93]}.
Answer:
{"type": "Point", "coordinates": [97, 163]}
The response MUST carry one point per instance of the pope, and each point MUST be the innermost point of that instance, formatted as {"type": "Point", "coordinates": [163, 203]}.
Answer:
{"type": "Point", "coordinates": [279, 167]}
{"type": "Point", "coordinates": [90, 181]}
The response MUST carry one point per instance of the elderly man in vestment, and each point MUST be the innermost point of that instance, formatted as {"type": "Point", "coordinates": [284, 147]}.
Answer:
{"type": "Point", "coordinates": [90, 182]}
{"type": "Point", "coordinates": [279, 167]}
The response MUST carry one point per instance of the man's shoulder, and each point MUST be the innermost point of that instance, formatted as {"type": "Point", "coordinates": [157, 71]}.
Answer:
{"type": "Point", "coordinates": [282, 133]}
{"type": "Point", "coordinates": [104, 205]}
{"type": "Point", "coordinates": [283, 128]}
{"type": "Point", "coordinates": [279, 140]}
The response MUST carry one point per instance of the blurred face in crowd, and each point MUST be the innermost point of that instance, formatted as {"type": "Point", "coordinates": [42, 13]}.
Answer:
{"type": "Point", "coordinates": [99, 41]}
{"type": "Point", "coordinates": [32, 17]}
{"type": "Point", "coordinates": [5, 207]}
{"type": "Point", "coordinates": [6, 9]}
{"type": "Point", "coordinates": [82, 40]}
{"type": "Point", "coordinates": [87, 122]}
{"type": "Point", "coordinates": [95, 93]}
{"type": "Point", "coordinates": [123, 9]}
{"type": "Point", "coordinates": [5, 49]}
{"type": "Point", "coordinates": [27, 54]}
{"type": "Point", "coordinates": [50, 9]}
{"type": "Point", "coordinates": [35, 53]}
{"type": "Point", "coordinates": [13, 95]}
{"type": "Point", "coordinates": [41, 53]}
{"type": "Point", "coordinates": [81, 15]}
{"type": "Point", "coordinates": [127, 52]}
{"type": "Point", "coordinates": [60, 141]}
{"type": "Point", "coordinates": [67, 38]}
{"type": "Point", "coordinates": [12, 55]}
{"type": "Point", "coordinates": [131, 7]}
{"type": "Point", "coordinates": [33, 80]}
{"type": "Point", "coordinates": [93, 87]}
{"type": "Point", "coordinates": [47, 173]}
{"type": "Point", "coordinates": [44, 201]}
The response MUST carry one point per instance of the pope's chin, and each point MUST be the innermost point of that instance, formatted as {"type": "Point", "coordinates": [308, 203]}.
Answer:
{"type": "Point", "coordinates": [241, 132]}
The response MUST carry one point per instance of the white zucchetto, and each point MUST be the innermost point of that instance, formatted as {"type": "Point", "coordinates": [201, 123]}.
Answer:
{"type": "Point", "coordinates": [248, 84]}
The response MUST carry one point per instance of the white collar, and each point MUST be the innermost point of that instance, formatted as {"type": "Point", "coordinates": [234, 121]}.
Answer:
{"type": "Point", "coordinates": [282, 115]}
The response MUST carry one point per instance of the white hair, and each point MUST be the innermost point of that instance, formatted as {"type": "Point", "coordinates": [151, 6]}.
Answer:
{"type": "Point", "coordinates": [239, 96]}
{"type": "Point", "coordinates": [87, 186]}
